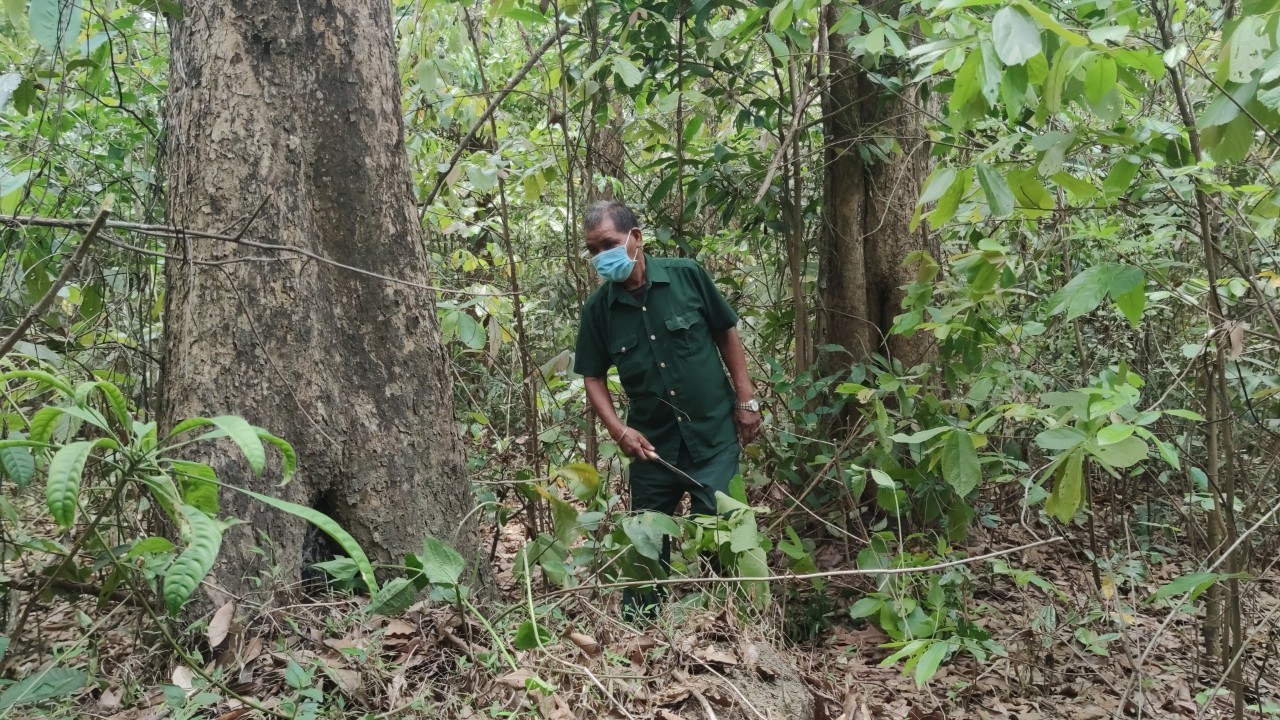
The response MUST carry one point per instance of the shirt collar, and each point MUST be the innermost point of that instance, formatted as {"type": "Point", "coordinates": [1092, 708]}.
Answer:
{"type": "Point", "coordinates": [655, 272]}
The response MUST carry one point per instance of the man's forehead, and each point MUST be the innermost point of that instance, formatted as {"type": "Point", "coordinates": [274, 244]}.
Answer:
{"type": "Point", "coordinates": [604, 229]}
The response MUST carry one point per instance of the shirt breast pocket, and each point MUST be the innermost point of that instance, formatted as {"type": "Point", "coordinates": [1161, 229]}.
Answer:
{"type": "Point", "coordinates": [685, 329]}
{"type": "Point", "coordinates": [624, 351]}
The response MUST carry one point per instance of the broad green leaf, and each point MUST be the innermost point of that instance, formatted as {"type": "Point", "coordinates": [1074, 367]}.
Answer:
{"type": "Point", "coordinates": [289, 456]}
{"type": "Point", "coordinates": [198, 485]}
{"type": "Point", "coordinates": [1062, 438]}
{"type": "Point", "coordinates": [204, 539]}
{"type": "Point", "coordinates": [1016, 35]}
{"type": "Point", "coordinates": [41, 377]}
{"type": "Point", "coordinates": [630, 75]}
{"type": "Point", "coordinates": [55, 24]}
{"type": "Point", "coordinates": [149, 546]}
{"type": "Point", "coordinates": [960, 466]}
{"type": "Point", "coordinates": [528, 635]}
{"type": "Point", "coordinates": [1125, 453]}
{"type": "Point", "coordinates": [48, 684]}
{"type": "Point", "coordinates": [115, 399]}
{"type": "Point", "coordinates": [753, 563]}
{"type": "Point", "coordinates": [999, 197]}
{"type": "Point", "coordinates": [8, 83]}
{"type": "Point", "coordinates": [1230, 143]}
{"type": "Point", "coordinates": [326, 524]}
{"type": "Point", "coordinates": [42, 424]}
{"type": "Point", "coordinates": [937, 184]}
{"type": "Point", "coordinates": [1099, 79]}
{"type": "Point", "coordinates": [866, 607]}
{"type": "Point", "coordinates": [582, 478]}
{"type": "Point", "coordinates": [967, 89]}
{"type": "Point", "coordinates": [1049, 23]}
{"type": "Point", "coordinates": [1226, 105]}
{"type": "Point", "coordinates": [441, 564]}
{"type": "Point", "coordinates": [339, 568]}
{"type": "Point", "coordinates": [1185, 414]}
{"type": "Point", "coordinates": [950, 200]}
{"type": "Point", "coordinates": [1083, 294]}
{"type": "Point", "coordinates": [17, 462]}
{"type": "Point", "coordinates": [744, 536]}
{"type": "Point", "coordinates": [1120, 179]}
{"type": "Point", "coordinates": [646, 531]}
{"type": "Point", "coordinates": [564, 520]}
{"type": "Point", "coordinates": [1114, 433]}
{"type": "Point", "coordinates": [919, 437]}
{"type": "Point", "coordinates": [62, 492]}
{"type": "Point", "coordinates": [1068, 494]}
{"type": "Point", "coordinates": [1111, 33]}
{"type": "Point", "coordinates": [930, 659]}
{"type": "Point", "coordinates": [1192, 585]}
{"type": "Point", "coordinates": [393, 599]}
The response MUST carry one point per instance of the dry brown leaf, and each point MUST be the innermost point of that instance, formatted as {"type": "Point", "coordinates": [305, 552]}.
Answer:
{"type": "Point", "coordinates": [713, 655]}
{"type": "Point", "coordinates": [184, 677]}
{"type": "Point", "coordinates": [394, 690]}
{"type": "Point", "coordinates": [221, 623]}
{"type": "Point", "coordinates": [515, 678]}
{"type": "Point", "coordinates": [1235, 333]}
{"type": "Point", "coordinates": [252, 650]}
{"type": "Point", "coordinates": [399, 627]}
{"type": "Point", "coordinates": [235, 714]}
{"type": "Point", "coordinates": [587, 643]}
{"type": "Point", "coordinates": [668, 715]}
{"type": "Point", "coordinates": [109, 701]}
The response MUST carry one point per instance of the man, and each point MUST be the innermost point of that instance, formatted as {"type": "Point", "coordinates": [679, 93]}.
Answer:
{"type": "Point", "coordinates": [666, 327]}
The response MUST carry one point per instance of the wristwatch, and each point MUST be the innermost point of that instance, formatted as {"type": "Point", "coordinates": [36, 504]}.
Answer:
{"type": "Point", "coordinates": [751, 405]}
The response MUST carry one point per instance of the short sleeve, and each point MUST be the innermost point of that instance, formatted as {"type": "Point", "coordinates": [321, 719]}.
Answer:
{"type": "Point", "coordinates": [720, 317]}
{"type": "Point", "coordinates": [591, 357]}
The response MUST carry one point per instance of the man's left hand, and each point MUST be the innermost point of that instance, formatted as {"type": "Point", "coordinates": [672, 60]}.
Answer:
{"type": "Point", "coordinates": [748, 424]}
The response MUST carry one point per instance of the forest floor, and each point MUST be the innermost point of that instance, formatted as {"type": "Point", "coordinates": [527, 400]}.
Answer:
{"type": "Point", "coordinates": [1080, 654]}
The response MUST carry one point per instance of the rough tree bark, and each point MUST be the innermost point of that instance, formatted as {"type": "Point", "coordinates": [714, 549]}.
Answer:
{"type": "Point", "coordinates": [867, 207]}
{"type": "Point", "coordinates": [295, 108]}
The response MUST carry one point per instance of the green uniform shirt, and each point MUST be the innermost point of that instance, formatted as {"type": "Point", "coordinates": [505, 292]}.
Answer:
{"type": "Point", "coordinates": [666, 355]}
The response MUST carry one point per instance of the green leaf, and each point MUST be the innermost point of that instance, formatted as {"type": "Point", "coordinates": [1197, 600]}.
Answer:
{"type": "Point", "coordinates": [949, 203]}
{"type": "Point", "coordinates": [1062, 438]}
{"type": "Point", "coordinates": [198, 485]}
{"type": "Point", "coordinates": [1083, 294]}
{"type": "Point", "coordinates": [149, 546]}
{"type": "Point", "coordinates": [1114, 433]}
{"type": "Point", "coordinates": [927, 665]}
{"type": "Point", "coordinates": [582, 478]}
{"type": "Point", "coordinates": [42, 424]}
{"type": "Point", "coordinates": [1052, 25]}
{"type": "Point", "coordinates": [921, 436]}
{"type": "Point", "coordinates": [339, 568]}
{"type": "Point", "coordinates": [1099, 79]}
{"type": "Point", "coordinates": [328, 526]}
{"type": "Point", "coordinates": [630, 75]}
{"type": "Point", "coordinates": [744, 536]}
{"type": "Point", "coordinates": [441, 564]}
{"type": "Point", "coordinates": [1068, 489]}
{"type": "Point", "coordinates": [115, 400]}
{"type": "Point", "coordinates": [960, 466]}
{"type": "Point", "coordinates": [866, 607]}
{"type": "Point", "coordinates": [1016, 36]}
{"type": "Point", "coordinates": [55, 682]}
{"type": "Point", "coordinates": [204, 539]}
{"type": "Point", "coordinates": [1230, 143]}
{"type": "Point", "coordinates": [966, 89]}
{"type": "Point", "coordinates": [17, 462]}
{"type": "Point", "coordinates": [393, 599]}
{"type": "Point", "coordinates": [41, 377]}
{"type": "Point", "coordinates": [1192, 584]}
{"type": "Point", "coordinates": [62, 492]}
{"type": "Point", "coordinates": [289, 456]}
{"type": "Point", "coordinates": [529, 635]}
{"type": "Point", "coordinates": [1125, 453]}
{"type": "Point", "coordinates": [646, 531]}
{"type": "Point", "coordinates": [1120, 179]}
{"type": "Point", "coordinates": [999, 197]}
{"type": "Point", "coordinates": [55, 24]}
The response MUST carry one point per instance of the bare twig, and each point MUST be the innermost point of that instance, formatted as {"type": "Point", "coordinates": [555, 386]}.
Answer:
{"type": "Point", "coordinates": [67, 271]}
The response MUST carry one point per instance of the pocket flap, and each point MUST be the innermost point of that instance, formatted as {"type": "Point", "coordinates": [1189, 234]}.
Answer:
{"type": "Point", "coordinates": [622, 345]}
{"type": "Point", "coordinates": [684, 320]}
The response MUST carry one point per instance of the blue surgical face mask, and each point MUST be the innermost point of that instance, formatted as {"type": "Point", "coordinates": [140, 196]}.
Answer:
{"type": "Point", "coordinates": [614, 264]}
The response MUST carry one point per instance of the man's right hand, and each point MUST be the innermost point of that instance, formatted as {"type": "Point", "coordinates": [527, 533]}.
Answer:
{"type": "Point", "coordinates": [635, 445]}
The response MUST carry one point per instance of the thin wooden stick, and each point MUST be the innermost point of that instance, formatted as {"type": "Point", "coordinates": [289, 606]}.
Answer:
{"type": "Point", "coordinates": [67, 271]}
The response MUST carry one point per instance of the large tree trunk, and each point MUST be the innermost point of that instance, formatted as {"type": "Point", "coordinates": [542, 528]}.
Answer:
{"type": "Point", "coordinates": [295, 108]}
{"type": "Point", "coordinates": [867, 207]}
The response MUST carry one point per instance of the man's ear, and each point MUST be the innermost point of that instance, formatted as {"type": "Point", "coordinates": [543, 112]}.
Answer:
{"type": "Point", "coordinates": [639, 236]}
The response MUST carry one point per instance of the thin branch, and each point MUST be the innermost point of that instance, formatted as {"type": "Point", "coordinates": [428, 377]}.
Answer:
{"type": "Point", "coordinates": [488, 112]}
{"type": "Point", "coordinates": [67, 271]}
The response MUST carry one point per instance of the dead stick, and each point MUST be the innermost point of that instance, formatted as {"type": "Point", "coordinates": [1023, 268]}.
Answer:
{"type": "Point", "coordinates": [67, 271]}
{"type": "Point", "coordinates": [493, 106]}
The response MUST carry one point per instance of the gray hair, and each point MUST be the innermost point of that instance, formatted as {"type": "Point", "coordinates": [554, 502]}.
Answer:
{"type": "Point", "coordinates": [622, 217]}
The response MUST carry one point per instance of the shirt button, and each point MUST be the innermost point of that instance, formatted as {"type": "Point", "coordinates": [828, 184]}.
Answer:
{"type": "Point", "coordinates": [679, 419]}
{"type": "Point", "coordinates": [653, 337]}
{"type": "Point", "coordinates": [644, 309]}
{"type": "Point", "coordinates": [662, 364]}
{"type": "Point", "coordinates": [673, 392]}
